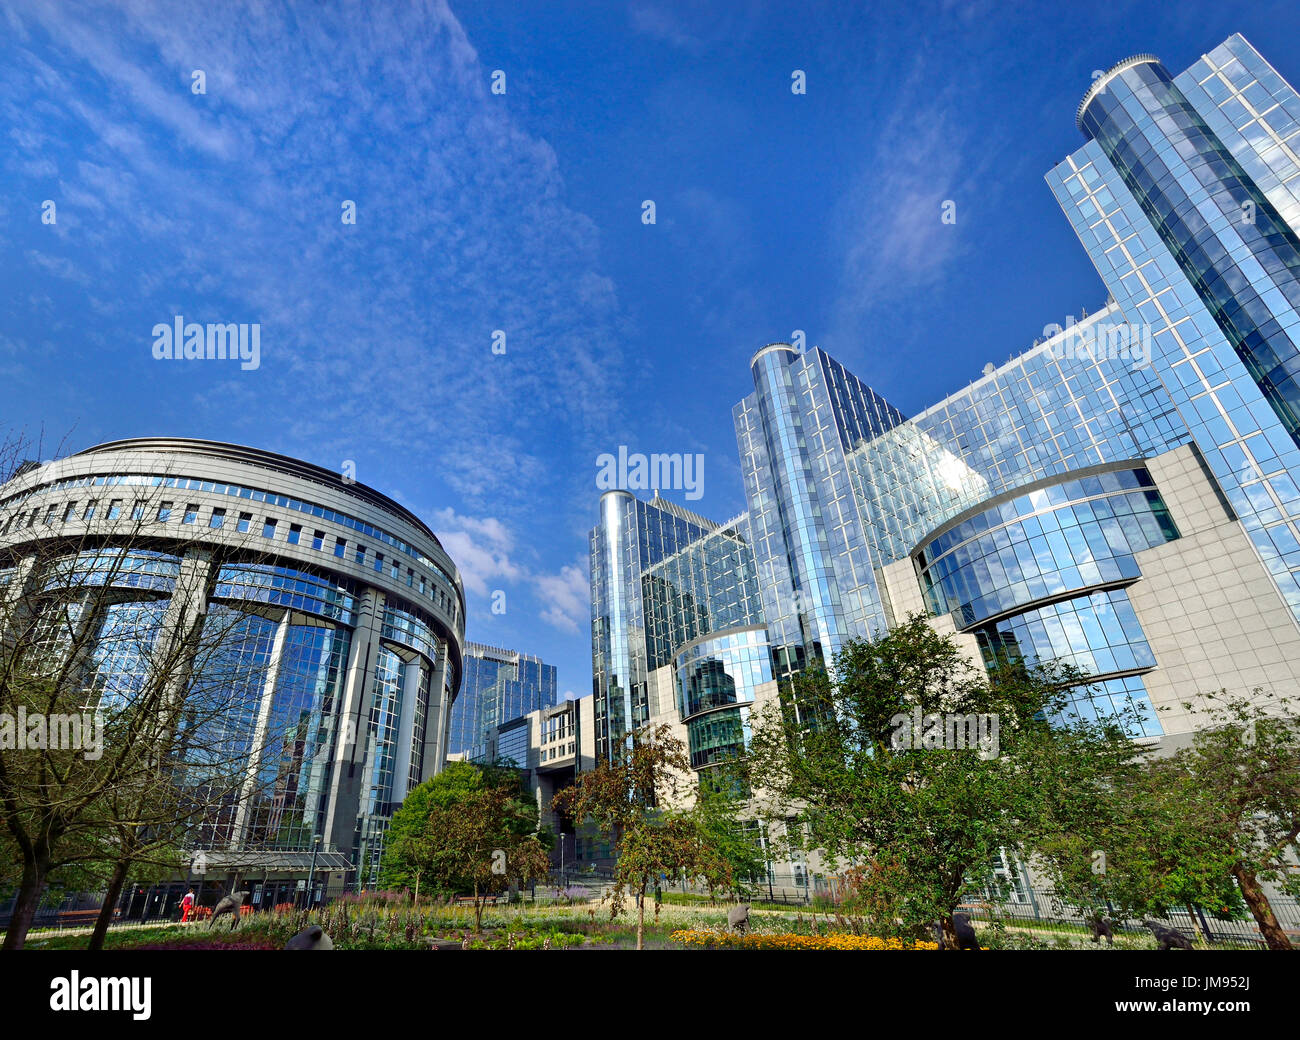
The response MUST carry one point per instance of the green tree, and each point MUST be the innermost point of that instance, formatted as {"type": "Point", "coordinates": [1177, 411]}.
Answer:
{"type": "Point", "coordinates": [477, 843]}
{"type": "Point", "coordinates": [1238, 788]}
{"type": "Point", "coordinates": [726, 824]}
{"type": "Point", "coordinates": [932, 810]}
{"type": "Point", "coordinates": [627, 801]}
{"type": "Point", "coordinates": [1089, 829]}
{"type": "Point", "coordinates": [470, 829]}
{"type": "Point", "coordinates": [406, 850]}
{"type": "Point", "coordinates": [165, 761]}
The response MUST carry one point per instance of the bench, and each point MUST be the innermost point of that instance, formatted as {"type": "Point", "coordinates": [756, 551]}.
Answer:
{"type": "Point", "coordinates": [75, 918]}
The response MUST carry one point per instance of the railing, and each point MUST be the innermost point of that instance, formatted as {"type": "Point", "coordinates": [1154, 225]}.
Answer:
{"type": "Point", "coordinates": [1031, 907]}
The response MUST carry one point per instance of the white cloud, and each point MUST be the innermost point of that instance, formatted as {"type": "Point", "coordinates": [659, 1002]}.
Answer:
{"type": "Point", "coordinates": [480, 547]}
{"type": "Point", "coordinates": [568, 597]}
{"type": "Point", "coordinates": [653, 21]}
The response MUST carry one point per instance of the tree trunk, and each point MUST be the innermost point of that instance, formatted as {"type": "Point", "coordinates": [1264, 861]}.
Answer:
{"type": "Point", "coordinates": [29, 898]}
{"type": "Point", "coordinates": [949, 928]}
{"type": "Point", "coordinates": [1260, 908]}
{"type": "Point", "coordinates": [640, 921]}
{"type": "Point", "coordinates": [105, 917]}
{"type": "Point", "coordinates": [478, 912]}
{"type": "Point", "coordinates": [1196, 924]}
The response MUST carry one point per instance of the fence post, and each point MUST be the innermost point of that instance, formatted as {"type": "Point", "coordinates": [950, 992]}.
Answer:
{"type": "Point", "coordinates": [1205, 925]}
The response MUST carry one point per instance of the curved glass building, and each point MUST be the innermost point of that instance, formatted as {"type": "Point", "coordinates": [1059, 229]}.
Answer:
{"type": "Point", "coordinates": [327, 621]}
{"type": "Point", "coordinates": [1187, 200]}
{"type": "Point", "coordinates": [719, 677]}
{"type": "Point", "coordinates": [1123, 496]}
{"type": "Point", "coordinates": [1039, 574]}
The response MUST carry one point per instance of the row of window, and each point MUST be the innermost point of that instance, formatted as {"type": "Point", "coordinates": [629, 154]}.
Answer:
{"type": "Point", "coordinates": [252, 494]}
{"type": "Point", "coordinates": [557, 727]}
{"type": "Point", "coordinates": [217, 519]}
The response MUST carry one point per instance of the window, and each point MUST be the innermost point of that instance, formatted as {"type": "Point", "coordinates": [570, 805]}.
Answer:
{"type": "Point", "coordinates": [379, 562]}
{"type": "Point", "coordinates": [114, 508]}
{"type": "Point", "coordinates": [191, 514]}
{"type": "Point", "coordinates": [164, 512]}
{"type": "Point", "coordinates": [49, 515]}
{"type": "Point", "coordinates": [295, 532]}
{"type": "Point", "coordinates": [218, 518]}
{"type": "Point", "coordinates": [318, 540]}
{"type": "Point", "coordinates": [137, 513]}
{"type": "Point", "coordinates": [361, 556]}
{"type": "Point", "coordinates": [340, 547]}
{"type": "Point", "coordinates": [70, 513]}
{"type": "Point", "coordinates": [410, 578]}
{"type": "Point", "coordinates": [245, 522]}
{"type": "Point", "coordinates": [268, 528]}
{"type": "Point", "coordinates": [89, 514]}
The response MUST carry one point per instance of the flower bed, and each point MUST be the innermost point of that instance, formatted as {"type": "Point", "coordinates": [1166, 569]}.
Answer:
{"type": "Point", "coordinates": [215, 942]}
{"type": "Point", "coordinates": [710, 940]}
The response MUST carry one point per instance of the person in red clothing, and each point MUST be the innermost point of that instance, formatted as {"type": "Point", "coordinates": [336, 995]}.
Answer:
{"type": "Point", "coordinates": [187, 906]}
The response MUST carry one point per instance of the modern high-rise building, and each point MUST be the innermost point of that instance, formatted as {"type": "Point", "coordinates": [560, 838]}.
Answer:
{"type": "Point", "coordinates": [498, 687]}
{"type": "Point", "coordinates": [1122, 496]}
{"type": "Point", "coordinates": [326, 623]}
{"type": "Point", "coordinates": [631, 537]}
{"type": "Point", "coordinates": [815, 564]}
{"type": "Point", "coordinates": [1187, 199]}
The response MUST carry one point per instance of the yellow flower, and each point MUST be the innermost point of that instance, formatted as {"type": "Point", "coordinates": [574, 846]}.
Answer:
{"type": "Point", "coordinates": [791, 941]}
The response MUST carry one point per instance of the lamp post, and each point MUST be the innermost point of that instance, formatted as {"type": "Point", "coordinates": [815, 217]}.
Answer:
{"type": "Point", "coordinates": [562, 884]}
{"type": "Point", "coordinates": [311, 875]}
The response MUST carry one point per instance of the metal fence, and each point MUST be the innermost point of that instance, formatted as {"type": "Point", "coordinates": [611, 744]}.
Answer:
{"type": "Point", "coordinates": [1031, 906]}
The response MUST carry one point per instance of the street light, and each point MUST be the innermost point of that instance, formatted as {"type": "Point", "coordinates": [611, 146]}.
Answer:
{"type": "Point", "coordinates": [311, 876]}
{"type": "Point", "coordinates": [562, 884]}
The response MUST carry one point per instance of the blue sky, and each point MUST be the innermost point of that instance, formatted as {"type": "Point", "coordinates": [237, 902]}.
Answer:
{"type": "Point", "coordinates": [522, 212]}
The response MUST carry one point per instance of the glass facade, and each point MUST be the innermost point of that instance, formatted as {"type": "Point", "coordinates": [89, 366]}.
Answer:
{"type": "Point", "coordinates": [442, 588]}
{"type": "Point", "coordinates": [717, 678]}
{"type": "Point", "coordinates": [708, 586]}
{"type": "Point", "coordinates": [632, 536]}
{"type": "Point", "coordinates": [513, 743]}
{"type": "Point", "coordinates": [1043, 544]}
{"type": "Point", "coordinates": [499, 687]}
{"type": "Point", "coordinates": [1098, 633]}
{"type": "Point", "coordinates": [815, 563]}
{"type": "Point", "coordinates": [1107, 699]}
{"type": "Point", "coordinates": [1185, 198]}
{"type": "Point", "coordinates": [308, 711]}
{"type": "Point", "coordinates": [1064, 405]}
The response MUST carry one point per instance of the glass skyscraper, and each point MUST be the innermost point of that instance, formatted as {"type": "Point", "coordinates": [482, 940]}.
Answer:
{"type": "Point", "coordinates": [1122, 497]}
{"type": "Point", "coordinates": [632, 537]}
{"type": "Point", "coordinates": [1187, 199]}
{"type": "Point", "coordinates": [498, 687]}
{"type": "Point", "coordinates": [815, 563]}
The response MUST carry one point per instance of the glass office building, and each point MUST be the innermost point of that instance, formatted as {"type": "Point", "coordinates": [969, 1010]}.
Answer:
{"type": "Point", "coordinates": [498, 687]}
{"type": "Point", "coordinates": [816, 566]}
{"type": "Point", "coordinates": [329, 619]}
{"type": "Point", "coordinates": [1121, 497]}
{"type": "Point", "coordinates": [1187, 199]}
{"type": "Point", "coordinates": [632, 536]}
